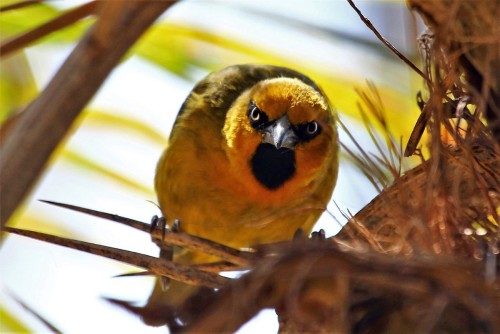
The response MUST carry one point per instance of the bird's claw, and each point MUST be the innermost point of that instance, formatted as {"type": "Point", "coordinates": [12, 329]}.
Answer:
{"type": "Point", "coordinates": [176, 226]}
{"type": "Point", "coordinates": [159, 229]}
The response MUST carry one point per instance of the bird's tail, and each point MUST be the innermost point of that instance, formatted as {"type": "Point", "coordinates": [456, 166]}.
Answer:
{"type": "Point", "coordinates": [173, 305]}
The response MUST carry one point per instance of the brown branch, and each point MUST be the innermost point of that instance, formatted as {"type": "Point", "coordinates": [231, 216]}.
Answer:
{"type": "Point", "coordinates": [19, 5]}
{"type": "Point", "coordinates": [217, 267]}
{"type": "Point", "coordinates": [45, 29]}
{"type": "Point", "coordinates": [138, 225]}
{"type": "Point", "coordinates": [163, 236]}
{"type": "Point", "coordinates": [46, 120]}
{"type": "Point", "coordinates": [237, 257]}
{"type": "Point", "coordinates": [162, 267]}
{"type": "Point", "coordinates": [307, 282]}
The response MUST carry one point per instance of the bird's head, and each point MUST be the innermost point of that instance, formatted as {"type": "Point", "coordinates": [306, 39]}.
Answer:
{"type": "Point", "coordinates": [281, 131]}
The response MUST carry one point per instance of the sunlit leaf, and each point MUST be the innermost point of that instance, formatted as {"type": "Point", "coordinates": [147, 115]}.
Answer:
{"type": "Point", "coordinates": [101, 118]}
{"type": "Point", "coordinates": [10, 324]}
{"type": "Point", "coordinates": [17, 86]}
{"type": "Point", "coordinates": [84, 162]}
{"type": "Point", "coordinates": [15, 22]}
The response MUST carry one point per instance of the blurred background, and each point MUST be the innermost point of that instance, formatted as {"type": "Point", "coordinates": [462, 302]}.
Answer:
{"type": "Point", "coordinates": [108, 160]}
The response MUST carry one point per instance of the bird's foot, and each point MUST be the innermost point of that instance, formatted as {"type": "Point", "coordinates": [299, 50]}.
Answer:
{"type": "Point", "coordinates": [176, 226]}
{"type": "Point", "coordinates": [159, 229]}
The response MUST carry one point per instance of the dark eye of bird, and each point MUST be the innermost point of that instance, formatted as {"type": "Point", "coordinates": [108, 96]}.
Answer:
{"type": "Point", "coordinates": [308, 131]}
{"type": "Point", "coordinates": [257, 117]}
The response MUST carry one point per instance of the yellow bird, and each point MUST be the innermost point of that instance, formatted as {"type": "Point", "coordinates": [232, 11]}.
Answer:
{"type": "Point", "coordinates": [252, 158]}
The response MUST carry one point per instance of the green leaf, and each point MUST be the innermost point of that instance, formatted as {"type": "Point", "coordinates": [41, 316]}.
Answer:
{"type": "Point", "coordinates": [94, 167]}
{"type": "Point", "coordinates": [17, 21]}
{"type": "Point", "coordinates": [17, 86]}
{"type": "Point", "coordinates": [10, 324]}
{"type": "Point", "coordinates": [106, 119]}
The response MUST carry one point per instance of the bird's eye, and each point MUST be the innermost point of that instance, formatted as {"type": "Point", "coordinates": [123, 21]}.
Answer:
{"type": "Point", "coordinates": [308, 131]}
{"type": "Point", "coordinates": [254, 115]}
{"type": "Point", "coordinates": [257, 117]}
{"type": "Point", "coordinates": [311, 128]}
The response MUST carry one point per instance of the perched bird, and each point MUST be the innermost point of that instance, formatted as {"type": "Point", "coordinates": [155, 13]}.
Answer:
{"type": "Point", "coordinates": [252, 158]}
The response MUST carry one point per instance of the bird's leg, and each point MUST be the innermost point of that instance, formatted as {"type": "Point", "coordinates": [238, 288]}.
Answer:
{"type": "Point", "coordinates": [158, 230]}
{"type": "Point", "coordinates": [176, 226]}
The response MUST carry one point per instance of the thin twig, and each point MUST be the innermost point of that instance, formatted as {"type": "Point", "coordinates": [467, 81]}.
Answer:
{"type": "Point", "coordinates": [386, 42]}
{"type": "Point", "coordinates": [135, 274]}
{"type": "Point", "coordinates": [217, 267]}
{"type": "Point", "coordinates": [19, 5]}
{"type": "Point", "coordinates": [104, 215]}
{"type": "Point", "coordinates": [45, 29]}
{"type": "Point", "coordinates": [30, 310]}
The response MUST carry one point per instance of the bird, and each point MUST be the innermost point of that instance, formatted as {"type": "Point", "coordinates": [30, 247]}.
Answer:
{"type": "Point", "coordinates": [252, 158]}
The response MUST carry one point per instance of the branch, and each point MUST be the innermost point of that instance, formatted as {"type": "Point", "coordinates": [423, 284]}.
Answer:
{"type": "Point", "coordinates": [45, 29]}
{"type": "Point", "coordinates": [386, 42]}
{"type": "Point", "coordinates": [47, 119]}
{"type": "Point", "coordinates": [161, 236]}
{"type": "Point", "coordinates": [162, 267]}
{"type": "Point", "coordinates": [314, 284]}
{"type": "Point", "coordinates": [19, 5]}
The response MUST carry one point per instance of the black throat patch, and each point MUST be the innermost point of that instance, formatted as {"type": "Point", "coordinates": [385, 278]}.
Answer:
{"type": "Point", "coordinates": [271, 166]}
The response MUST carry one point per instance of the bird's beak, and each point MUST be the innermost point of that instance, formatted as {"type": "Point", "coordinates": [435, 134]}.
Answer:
{"type": "Point", "coordinates": [280, 134]}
